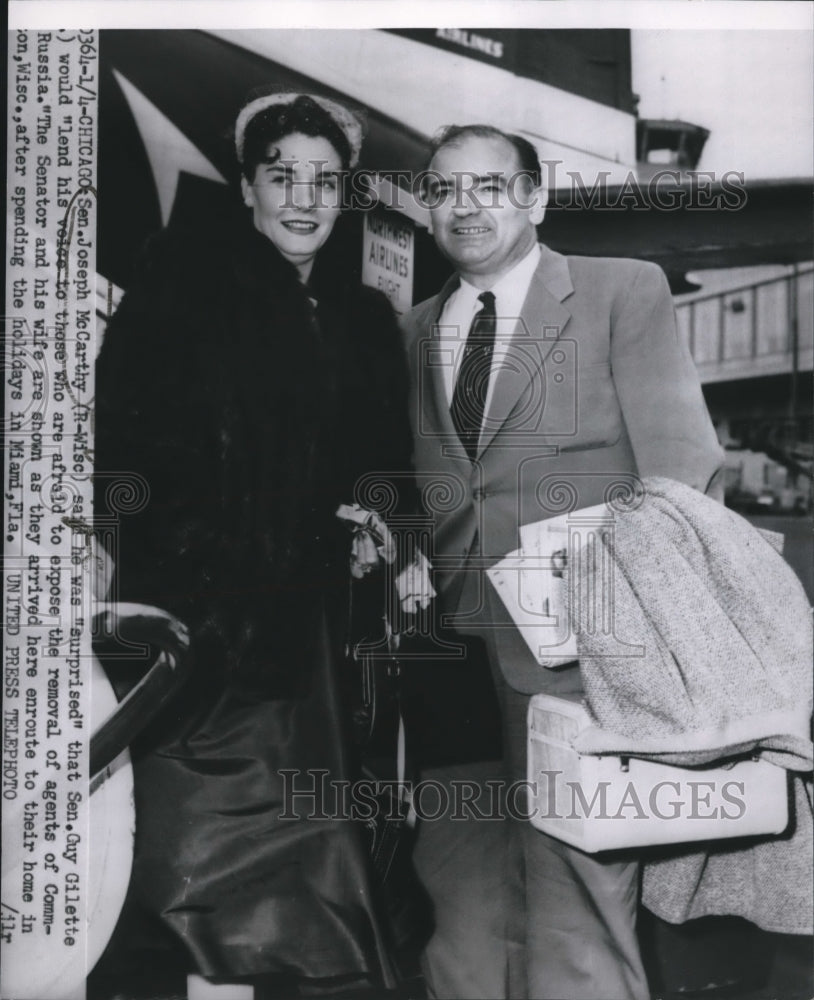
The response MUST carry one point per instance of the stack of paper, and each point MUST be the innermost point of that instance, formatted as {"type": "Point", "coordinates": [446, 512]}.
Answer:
{"type": "Point", "coordinates": [532, 582]}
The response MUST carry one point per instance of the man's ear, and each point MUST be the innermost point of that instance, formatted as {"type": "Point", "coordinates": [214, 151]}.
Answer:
{"type": "Point", "coordinates": [540, 196]}
{"type": "Point", "coordinates": [248, 192]}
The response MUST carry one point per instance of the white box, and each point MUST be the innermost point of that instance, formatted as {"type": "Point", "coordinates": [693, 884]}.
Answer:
{"type": "Point", "coordinates": [604, 803]}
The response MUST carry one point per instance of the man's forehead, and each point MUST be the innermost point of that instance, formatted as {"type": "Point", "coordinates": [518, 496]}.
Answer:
{"type": "Point", "coordinates": [482, 155]}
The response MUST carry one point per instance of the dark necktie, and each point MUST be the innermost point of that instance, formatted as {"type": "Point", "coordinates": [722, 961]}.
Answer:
{"type": "Point", "coordinates": [469, 395]}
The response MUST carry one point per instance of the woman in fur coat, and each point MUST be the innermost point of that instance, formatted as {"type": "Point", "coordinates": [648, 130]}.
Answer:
{"type": "Point", "coordinates": [244, 387]}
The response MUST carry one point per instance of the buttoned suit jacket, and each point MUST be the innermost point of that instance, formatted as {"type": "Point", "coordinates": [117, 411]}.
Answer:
{"type": "Point", "coordinates": [596, 388]}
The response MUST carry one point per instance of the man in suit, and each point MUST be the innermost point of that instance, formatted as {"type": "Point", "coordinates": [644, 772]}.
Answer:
{"type": "Point", "coordinates": [540, 384]}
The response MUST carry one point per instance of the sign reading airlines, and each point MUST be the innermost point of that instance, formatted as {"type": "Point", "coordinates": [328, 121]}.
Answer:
{"type": "Point", "coordinates": [387, 258]}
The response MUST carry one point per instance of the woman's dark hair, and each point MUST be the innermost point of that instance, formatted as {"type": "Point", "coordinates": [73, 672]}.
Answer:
{"type": "Point", "coordinates": [278, 120]}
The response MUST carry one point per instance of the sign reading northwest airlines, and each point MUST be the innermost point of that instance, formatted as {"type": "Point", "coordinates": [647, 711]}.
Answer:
{"type": "Point", "coordinates": [388, 258]}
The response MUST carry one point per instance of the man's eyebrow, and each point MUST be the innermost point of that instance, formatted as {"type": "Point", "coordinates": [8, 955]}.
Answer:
{"type": "Point", "coordinates": [470, 178]}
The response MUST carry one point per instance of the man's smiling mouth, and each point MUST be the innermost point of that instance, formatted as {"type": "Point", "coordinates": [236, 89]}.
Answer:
{"type": "Point", "coordinates": [470, 230]}
{"type": "Point", "coordinates": [295, 226]}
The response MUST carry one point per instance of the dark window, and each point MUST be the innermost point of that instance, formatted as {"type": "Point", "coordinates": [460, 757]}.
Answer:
{"type": "Point", "coordinates": [591, 63]}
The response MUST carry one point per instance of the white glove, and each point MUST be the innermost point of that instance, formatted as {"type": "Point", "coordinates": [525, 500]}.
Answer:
{"type": "Point", "coordinates": [372, 540]}
{"type": "Point", "coordinates": [413, 585]}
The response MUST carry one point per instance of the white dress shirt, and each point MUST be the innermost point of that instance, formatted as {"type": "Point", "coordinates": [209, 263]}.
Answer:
{"type": "Point", "coordinates": [461, 307]}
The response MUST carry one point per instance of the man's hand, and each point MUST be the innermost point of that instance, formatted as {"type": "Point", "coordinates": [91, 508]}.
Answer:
{"type": "Point", "coordinates": [413, 585]}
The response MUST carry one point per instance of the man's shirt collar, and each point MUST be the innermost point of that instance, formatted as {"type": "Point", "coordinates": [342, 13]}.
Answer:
{"type": "Point", "coordinates": [509, 290]}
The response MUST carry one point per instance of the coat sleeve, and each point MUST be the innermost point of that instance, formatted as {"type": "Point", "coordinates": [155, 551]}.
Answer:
{"type": "Point", "coordinates": [152, 448]}
{"type": "Point", "coordinates": [386, 423]}
{"type": "Point", "coordinates": [658, 388]}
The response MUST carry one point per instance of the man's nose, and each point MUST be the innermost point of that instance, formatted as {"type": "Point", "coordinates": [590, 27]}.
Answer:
{"type": "Point", "coordinates": [466, 202]}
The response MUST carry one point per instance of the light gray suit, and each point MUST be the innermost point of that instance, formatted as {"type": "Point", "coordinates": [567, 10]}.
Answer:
{"type": "Point", "coordinates": [595, 389]}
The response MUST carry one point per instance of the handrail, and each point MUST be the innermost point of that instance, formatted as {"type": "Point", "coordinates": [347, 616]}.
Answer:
{"type": "Point", "coordinates": [744, 288]}
{"type": "Point", "coordinates": [143, 624]}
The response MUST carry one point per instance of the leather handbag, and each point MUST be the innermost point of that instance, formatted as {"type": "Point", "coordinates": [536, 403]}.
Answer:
{"type": "Point", "coordinates": [381, 737]}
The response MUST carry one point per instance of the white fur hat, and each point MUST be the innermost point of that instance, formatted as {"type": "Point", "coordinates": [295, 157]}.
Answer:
{"type": "Point", "coordinates": [349, 123]}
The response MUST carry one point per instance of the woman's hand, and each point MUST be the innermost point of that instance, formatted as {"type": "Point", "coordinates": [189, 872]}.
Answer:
{"type": "Point", "coordinates": [364, 555]}
{"type": "Point", "coordinates": [372, 543]}
{"type": "Point", "coordinates": [372, 540]}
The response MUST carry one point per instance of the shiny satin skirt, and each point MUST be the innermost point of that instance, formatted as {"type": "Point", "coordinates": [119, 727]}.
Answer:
{"type": "Point", "coordinates": [253, 880]}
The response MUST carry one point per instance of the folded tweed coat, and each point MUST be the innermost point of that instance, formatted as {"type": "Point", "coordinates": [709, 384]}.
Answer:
{"type": "Point", "coordinates": [709, 657]}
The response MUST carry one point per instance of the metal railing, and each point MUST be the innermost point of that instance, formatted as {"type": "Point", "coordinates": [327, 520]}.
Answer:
{"type": "Point", "coordinates": [773, 323]}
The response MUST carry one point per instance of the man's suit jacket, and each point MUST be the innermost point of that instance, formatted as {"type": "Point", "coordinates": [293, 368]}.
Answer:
{"type": "Point", "coordinates": [596, 388]}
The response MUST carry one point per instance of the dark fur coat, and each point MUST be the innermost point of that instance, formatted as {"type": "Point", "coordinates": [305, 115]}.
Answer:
{"type": "Point", "coordinates": [248, 416]}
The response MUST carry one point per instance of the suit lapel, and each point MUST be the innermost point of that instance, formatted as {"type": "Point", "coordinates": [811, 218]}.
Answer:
{"type": "Point", "coordinates": [542, 321]}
